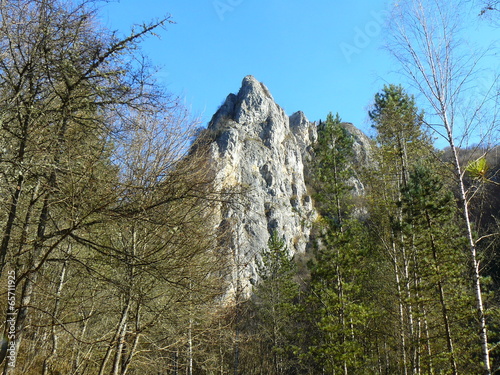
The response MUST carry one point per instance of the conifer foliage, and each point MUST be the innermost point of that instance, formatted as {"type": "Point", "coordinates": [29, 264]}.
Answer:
{"type": "Point", "coordinates": [275, 304]}
{"type": "Point", "coordinates": [340, 309]}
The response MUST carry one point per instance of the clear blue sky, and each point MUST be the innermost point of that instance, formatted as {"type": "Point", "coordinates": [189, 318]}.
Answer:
{"type": "Point", "coordinates": [320, 57]}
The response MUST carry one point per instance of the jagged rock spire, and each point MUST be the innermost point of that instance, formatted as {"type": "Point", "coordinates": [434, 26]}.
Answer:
{"type": "Point", "coordinates": [258, 148]}
{"type": "Point", "coordinates": [255, 148]}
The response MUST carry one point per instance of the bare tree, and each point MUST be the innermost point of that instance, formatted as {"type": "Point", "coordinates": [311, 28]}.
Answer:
{"type": "Point", "coordinates": [165, 242]}
{"type": "Point", "coordinates": [69, 88]}
{"type": "Point", "coordinates": [490, 5]}
{"type": "Point", "coordinates": [426, 40]}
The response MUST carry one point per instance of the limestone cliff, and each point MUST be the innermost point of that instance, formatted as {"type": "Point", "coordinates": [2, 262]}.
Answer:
{"type": "Point", "coordinates": [258, 148]}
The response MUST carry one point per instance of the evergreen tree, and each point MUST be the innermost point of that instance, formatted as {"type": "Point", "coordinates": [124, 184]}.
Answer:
{"type": "Point", "coordinates": [400, 137]}
{"type": "Point", "coordinates": [413, 218]}
{"type": "Point", "coordinates": [340, 266]}
{"type": "Point", "coordinates": [430, 215]}
{"type": "Point", "coordinates": [274, 304]}
{"type": "Point", "coordinates": [401, 142]}
{"type": "Point", "coordinates": [332, 170]}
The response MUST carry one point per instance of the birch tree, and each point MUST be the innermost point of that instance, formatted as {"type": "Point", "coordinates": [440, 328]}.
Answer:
{"type": "Point", "coordinates": [426, 39]}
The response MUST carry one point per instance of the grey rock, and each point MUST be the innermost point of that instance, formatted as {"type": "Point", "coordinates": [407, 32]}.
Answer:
{"type": "Point", "coordinates": [363, 150]}
{"type": "Point", "coordinates": [256, 147]}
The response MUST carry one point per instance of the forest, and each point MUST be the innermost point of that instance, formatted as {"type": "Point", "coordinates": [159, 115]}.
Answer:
{"type": "Point", "coordinates": [110, 254]}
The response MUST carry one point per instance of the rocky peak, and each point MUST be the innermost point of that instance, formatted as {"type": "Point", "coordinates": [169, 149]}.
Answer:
{"type": "Point", "coordinates": [254, 103]}
{"type": "Point", "coordinates": [258, 148]}
{"type": "Point", "coordinates": [304, 131]}
{"type": "Point", "coordinates": [252, 111]}
{"type": "Point", "coordinates": [254, 148]}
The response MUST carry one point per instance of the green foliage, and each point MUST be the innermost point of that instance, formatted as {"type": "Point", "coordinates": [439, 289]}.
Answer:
{"type": "Point", "coordinates": [414, 219]}
{"type": "Point", "coordinates": [394, 108]}
{"type": "Point", "coordinates": [274, 305]}
{"type": "Point", "coordinates": [436, 246]}
{"type": "Point", "coordinates": [399, 123]}
{"type": "Point", "coordinates": [332, 168]}
{"type": "Point", "coordinates": [339, 307]}
{"type": "Point", "coordinates": [275, 264]}
{"type": "Point", "coordinates": [339, 292]}
{"type": "Point", "coordinates": [478, 169]}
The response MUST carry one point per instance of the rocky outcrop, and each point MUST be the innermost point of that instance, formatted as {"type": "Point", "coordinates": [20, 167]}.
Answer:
{"type": "Point", "coordinates": [363, 156]}
{"type": "Point", "coordinates": [363, 152]}
{"type": "Point", "coordinates": [257, 148]}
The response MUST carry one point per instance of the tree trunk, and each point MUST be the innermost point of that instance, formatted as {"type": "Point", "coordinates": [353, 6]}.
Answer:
{"type": "Point", "coordinates": [115, 341]}
{"type": "Point", "coordinates": [403, 348]}
{"type": "Point", "coordinates": [117, 362]}
{"type": "Point", "coordinates": [190, 346]}
{"type": "Point", "coordinates": [131, 352]}
{"type": "Point", "coordinates": [442, 300]}
{"type": "Point", "coordinates": [30, 279]}
{"type": "Point", "coordinates": [55, 339]}
{"type": "Point", "coordinates": [476, 275]}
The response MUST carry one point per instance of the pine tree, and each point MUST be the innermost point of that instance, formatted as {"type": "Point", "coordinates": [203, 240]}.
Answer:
{"type": "Point", "coordinates": [274, 304]}
{"type": "Point", "coordinates": [413, 218]}
{"type": "Point", "coordinates": [430, 214]}
{"type": "Point", "coordinates": [340, 266]}
{"type": "Point", "coordinates": [401, 142]}
{"type": "Point", "coordinates": [331, 169]}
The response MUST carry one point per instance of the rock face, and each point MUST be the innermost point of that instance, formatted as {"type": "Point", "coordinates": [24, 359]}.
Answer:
{"type": "Point", "coordinates": [258, 148]}
{"type": "Point", "coordinates": [363, 155]}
